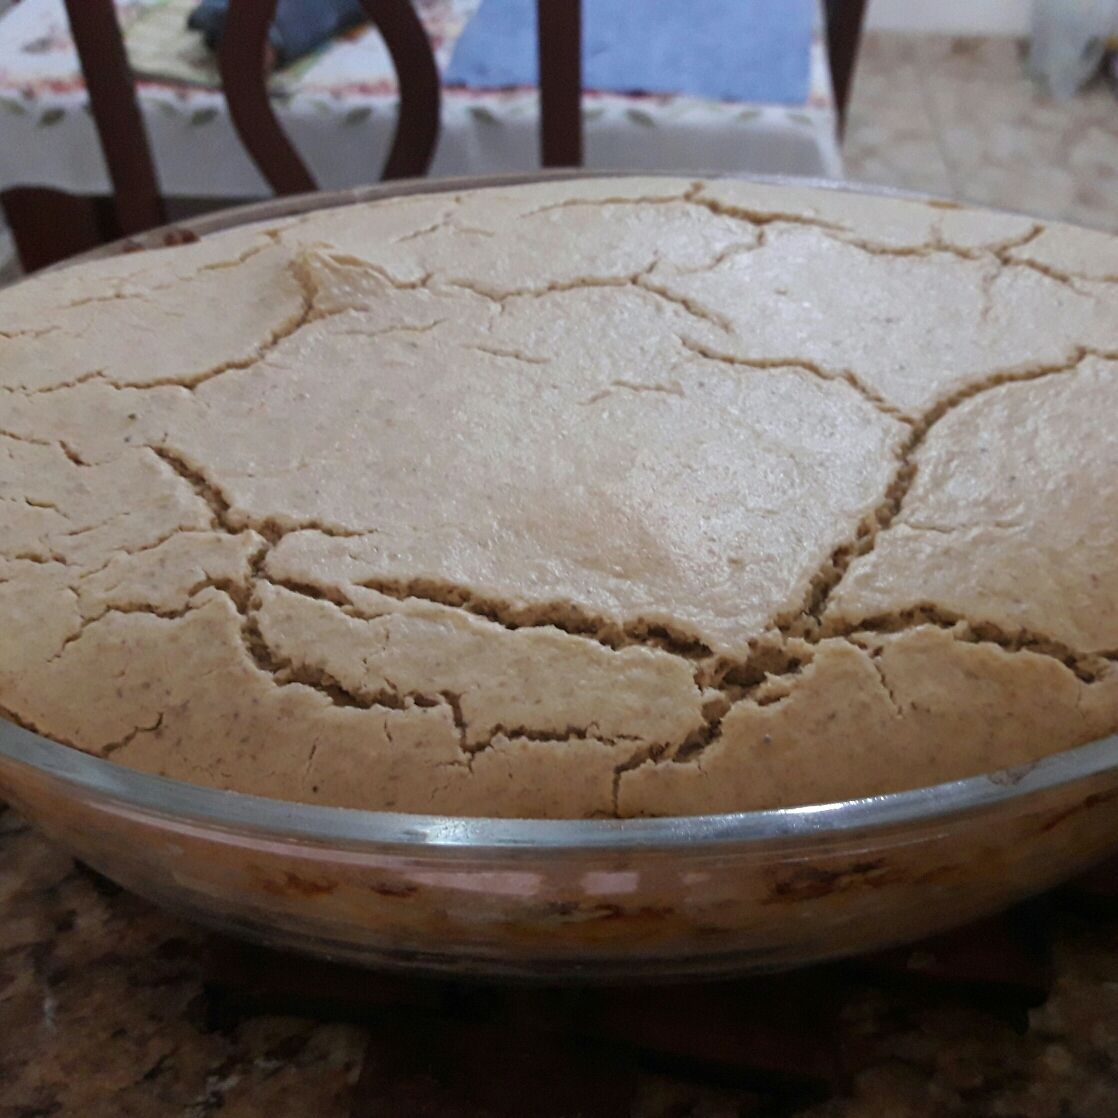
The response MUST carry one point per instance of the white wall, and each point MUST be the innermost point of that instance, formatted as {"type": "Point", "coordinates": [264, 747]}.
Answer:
{"type": "Point", "coordinates": [973, 17]}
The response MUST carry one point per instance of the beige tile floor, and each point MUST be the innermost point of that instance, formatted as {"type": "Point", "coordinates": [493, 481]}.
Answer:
{"type": "Point", "coordinates": [960, 118]}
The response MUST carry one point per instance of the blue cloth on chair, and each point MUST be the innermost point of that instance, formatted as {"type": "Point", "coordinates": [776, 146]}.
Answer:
{"type": "Point", "coordinates": [298, 28]}
{"type": "Point", "coordinates": [725, 50]}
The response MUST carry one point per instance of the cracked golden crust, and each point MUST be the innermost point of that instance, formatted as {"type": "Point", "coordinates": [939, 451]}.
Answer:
{"type": "Point", "coordinates": [1028, 513]}
{"type": "Point", "coordinates": [910, 709]}
{"type": "Point", "coordinates": [596, 497]}
{"type": "Point", "coordinates": [179, 330]}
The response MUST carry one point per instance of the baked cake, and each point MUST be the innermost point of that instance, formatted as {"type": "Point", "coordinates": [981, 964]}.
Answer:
{"type": "Point", "coordinates": [583, 498]}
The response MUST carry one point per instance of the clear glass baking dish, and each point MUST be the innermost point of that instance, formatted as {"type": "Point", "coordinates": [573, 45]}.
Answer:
{"type": "Point", "coordinates": [567, 900]}
{"type": "Point", "coordinates": [577, 899]}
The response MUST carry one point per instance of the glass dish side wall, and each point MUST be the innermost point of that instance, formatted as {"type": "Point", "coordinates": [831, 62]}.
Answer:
{"type": "Point", "coordinates": [758, 904]}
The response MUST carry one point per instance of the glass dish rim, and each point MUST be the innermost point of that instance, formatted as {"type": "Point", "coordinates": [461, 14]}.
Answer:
{"type": "Point", "coordinates": [184, 803]}
{"type": "Point", "coordinates": [187, 803]}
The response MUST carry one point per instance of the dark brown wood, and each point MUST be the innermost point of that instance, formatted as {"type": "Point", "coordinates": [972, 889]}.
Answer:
{"type": "Point", "coordinates": [245, 80]}
{"type": "Point", "coordinates": [488, 1067]}
{"type": "Point", "coordinates": [417, 128]}
{"type": "Point", "coordinates": [116, 113]}
{"type": "Point", "coordinates": [559, 30]}
{"type": "Point", "coordinates": [50, 225]}
{"type": "Point", "coordinates": [844, 32]}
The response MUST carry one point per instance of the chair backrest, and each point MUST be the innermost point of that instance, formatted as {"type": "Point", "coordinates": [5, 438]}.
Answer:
{"type": "Point", "coordinates": [559, 32]}
{"type": "Point", "coordinates": [844, 32]}
{"type": "Point", "coordinates": [560, 60]}
{"type": "Point", "coordinates": [116, 114]}
{"type": "Point", "coordinates": [241, 60]}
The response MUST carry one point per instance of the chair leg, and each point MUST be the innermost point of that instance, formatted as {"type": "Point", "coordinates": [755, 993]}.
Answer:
{"type": "Point", "coordinates": [844, 33]}
{"type": "Point", "coordinates": [559, 30]}
{"type": "Point", "coordinates": [50, 225]}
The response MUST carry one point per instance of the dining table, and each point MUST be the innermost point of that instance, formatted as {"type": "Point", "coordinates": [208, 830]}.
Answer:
{"type": "Point", "coordinates": [339, 107]}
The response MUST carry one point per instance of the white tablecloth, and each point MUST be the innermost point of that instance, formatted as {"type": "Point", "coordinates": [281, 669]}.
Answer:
{"type": "Point", "coordinates": [340, 112]}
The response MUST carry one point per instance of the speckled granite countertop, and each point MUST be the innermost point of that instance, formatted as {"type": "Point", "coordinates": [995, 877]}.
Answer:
{"type": "Point", "coordinates": [109, 1007]}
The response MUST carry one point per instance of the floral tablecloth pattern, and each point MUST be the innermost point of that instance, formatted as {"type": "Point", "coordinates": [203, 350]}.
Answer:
{"type": "Point", "coordinates": [340, 111]}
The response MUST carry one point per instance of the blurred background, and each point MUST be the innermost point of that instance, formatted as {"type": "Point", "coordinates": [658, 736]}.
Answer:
{"type": "Point", "coordinates": [1008, 103]}
{"type": "Point", "coordinates": [945, 101]}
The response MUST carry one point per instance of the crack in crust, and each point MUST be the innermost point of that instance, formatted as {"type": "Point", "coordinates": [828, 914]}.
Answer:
{"type": "Point", "coordinates": [62, 445]}
{"type": "Point", "coordinates": [224, 517]}
{"type": "Point", "coordinates": [107, 750]}
{"type": "Point", "coordinates": [286, 672]}
{"type": "Point", "coordinates": [219, 506]}
{"type": "Point", "coordinates": [816, 370]}
{"type": "Point", "coordinates": [761, 220]}
{"type": "Point", "coordinates": [566, 616]}
{"type": "Point", "coordinates": [808, 620]}
{"type": "Point", "coordinates": [1087, 667]}
{"type": "Point", "coordinates": [25, 723]}
{"type": "Point", "coordinates": [999, 252]}
{"type": "Point", "coordinates": [306, 313]}
{"type": "Point", "coordinates": [640, 280]}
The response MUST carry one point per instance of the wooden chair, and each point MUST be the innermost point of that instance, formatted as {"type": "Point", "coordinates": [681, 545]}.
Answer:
{"type": "Point", "coordinates": [560, 60]}
{"type": "Point", "coordinates": [559, 31]}
{"type": "Point", "coordinates": [845, 19]}
{"type": "Point", "coordinates": [245, 81]}
{"type": "Point", "coordinates": [49, 225]}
